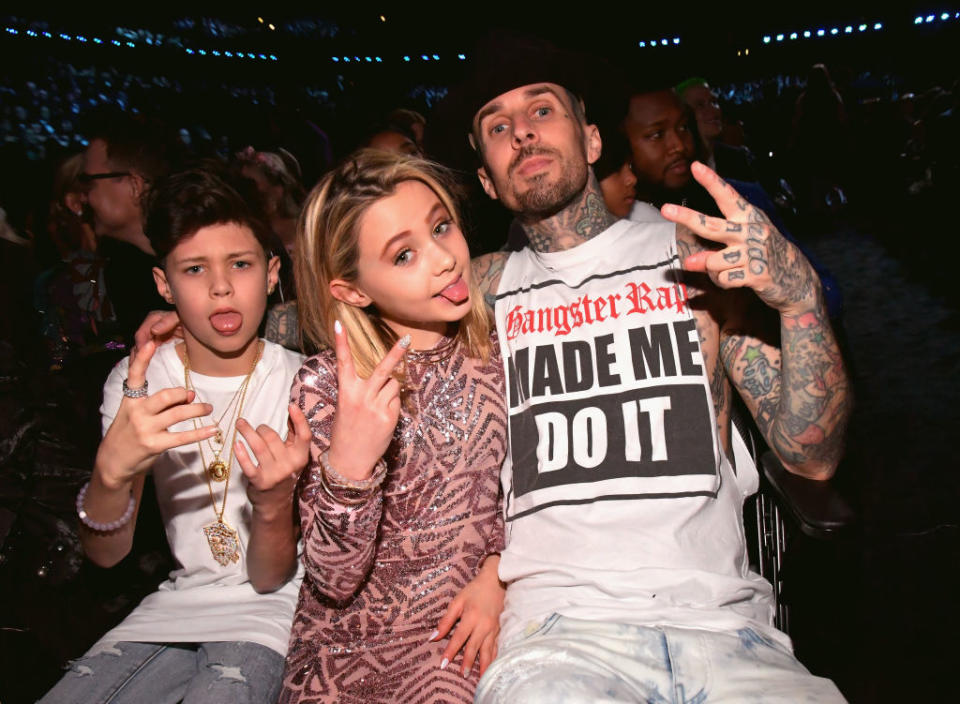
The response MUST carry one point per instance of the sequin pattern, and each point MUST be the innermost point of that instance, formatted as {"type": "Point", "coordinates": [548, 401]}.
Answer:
{"type": "Point", "coordinates": [379, 575]}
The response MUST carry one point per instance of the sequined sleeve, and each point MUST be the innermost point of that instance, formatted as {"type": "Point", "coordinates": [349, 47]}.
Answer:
{"type": "Point", "coordinates": [339, 534]}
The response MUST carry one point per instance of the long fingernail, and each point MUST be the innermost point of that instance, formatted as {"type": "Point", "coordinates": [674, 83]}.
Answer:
{"type": "Point", "coordinates": [466, 672]}
{"type": "Point", "coordinates": [433, 635]}
{"type": "Point", "coordinates": [405, 341]}
{"type": "Point", "coordinates": [337, 327]}
{"type": "Point", "coordinates": [444, 663]}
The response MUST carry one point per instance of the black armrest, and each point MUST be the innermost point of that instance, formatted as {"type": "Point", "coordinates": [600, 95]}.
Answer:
{"type": "Point", "coordinates": [816, 506]}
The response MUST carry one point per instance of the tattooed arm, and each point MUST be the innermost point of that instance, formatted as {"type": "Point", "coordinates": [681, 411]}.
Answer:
{"type": "Point", "coordinates": [798, 393]}
{"type": "Point", "coordinates": [487, 269]}
{"type": "Point", "coordinates": [281, 326]}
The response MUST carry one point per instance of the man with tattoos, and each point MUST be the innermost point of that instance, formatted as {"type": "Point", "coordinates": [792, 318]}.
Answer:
{"type": "Point", "coordinates": [626, 563]}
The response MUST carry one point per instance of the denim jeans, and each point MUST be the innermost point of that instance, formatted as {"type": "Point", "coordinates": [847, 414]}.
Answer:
{"type": "Point", "coordinates": [160, 673]}
{"type": "Point", "coordinates": [569, 660]}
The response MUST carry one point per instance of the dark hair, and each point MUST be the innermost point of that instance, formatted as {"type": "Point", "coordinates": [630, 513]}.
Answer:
{"type": "Point", "coordinates": [615, 153]}
{"type": "Point", "coordinates": [134, 143]}
{"type": "Point", "coordinates": [206, 194]}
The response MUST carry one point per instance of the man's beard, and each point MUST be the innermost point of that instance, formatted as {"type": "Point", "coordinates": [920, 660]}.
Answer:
{"type": "Point", "coordinates": [544, 198]}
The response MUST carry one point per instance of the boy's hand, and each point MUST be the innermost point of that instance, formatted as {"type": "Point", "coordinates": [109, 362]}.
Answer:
{"type": "Point", "coordinates": [478, 608]}
{"type": "Point", "coordinates": [139, 430]}
{"type": "Point", "coordinates": [159, 326]}
{"type": "Point", "coordinates": [273, 479]}
{"type": "Point", "coordinates": [367, 410]}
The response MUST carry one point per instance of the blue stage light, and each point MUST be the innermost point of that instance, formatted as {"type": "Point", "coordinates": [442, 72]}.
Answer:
{"type": "Point", "coordinates": [202, 52]}
{"type": "Point", "coordinates": [806, 34]}
{"type": "Point", "coordinates": [335, 59]}
{"type": "Point", "coordinates": [378, 59]}
{"type": "Point", "coordinates": [663, 42]}
{"type": "Point", "coordinates": [357, 59]}
{"type": "Point", "coordinates": [406, 58]}
{"type": "Point", "coordinates": [11, 30]}
{"type": "Point", "coordinates": [251, 56]}
{"type": "Point", "coordinates": [97, 40]}
{"type": "Point", "coordinates": [676, 40]}
{"type": "Point", "coordinates": [862, 28]}
{"type": "Point", "coordinates": [262, 57]}
{"type": "Point", "coordinates": [878, 25]}
{"type": "Point", "coordinates": [273, 57]}
{"type": "Point", "coordinates": [848, 30]}
{"type": "Point", "coordinates": [368, 59]}
{"type": "Point", "coordinates": [766, 40]}
{"type": "Point", "coordinates": [31, 33]}
{"type": "Point", "coordinates": [131, 44]}
{"type": "Point", "coordinates": [779, 37]}
{"type": "Point", "coordinates": [918, 20]}
{"type": "Point", "coordinates": [215, 52]}
{"type": "Point", "coordinates": [436, 58]}
{"type": "Point", "coordinates": [834, 31]}
{"type": "Point", "coordinates": [462, 57]}
{"type": "Point", "coordinates": [929, 18]}
{"type": "Point", "coordinates": [945, 16]}
{"type": "Point", "coordinates": [642, 44]}
{"type": "Point", "coordinates": [115, 42]}
{"type": "Point", "coordinates": [65, 37]}
{"type": "Point", "coordinates": [48, 35]}
{"type": "Point", "coordinates": [424, 57]}
{"type": "Point", "coordinates": [793, 35]}
{"type": "Point", "coordinates": [81, 38]}
{"type": "Point", "coordinates": [228, 54]}
{"type": "Point", "coordinates": [189, 51]}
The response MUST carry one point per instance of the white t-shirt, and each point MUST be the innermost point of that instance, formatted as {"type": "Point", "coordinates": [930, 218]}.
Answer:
{"type": "Point", "coordinates": [203, 601]}
{"type": "Point", "coordinates": [620, 504]}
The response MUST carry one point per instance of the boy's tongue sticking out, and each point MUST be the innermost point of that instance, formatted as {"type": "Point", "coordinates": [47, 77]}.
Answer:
{"type": "Point", "coordinates": [226, 321]}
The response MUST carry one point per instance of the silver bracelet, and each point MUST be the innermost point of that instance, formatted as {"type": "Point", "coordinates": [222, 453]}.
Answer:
{"type": "Point", "coordinates": [138, 392]}
{"type": "Point", "coordinates": [361, 490]}
{"type": "Point", "coordinates": [96, 525]}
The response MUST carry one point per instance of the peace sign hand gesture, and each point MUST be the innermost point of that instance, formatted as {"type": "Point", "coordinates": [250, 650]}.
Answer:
{"type": "Point", "coordinates": [755, 254]}
{"type": "Point", "coordinates": [139, 430]}
{"type": "Point", "coordinates": [367, 410]}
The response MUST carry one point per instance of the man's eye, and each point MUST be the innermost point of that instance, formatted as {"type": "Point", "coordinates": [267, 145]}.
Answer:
{"type": "Point", "coordinates": [543, 111]}
{"type": "Point", "coordinates": [498, 129]}
{"type": "Point", "coordinates": [403, 257]}
{"type": "Point", "coordinates": [655, 135]}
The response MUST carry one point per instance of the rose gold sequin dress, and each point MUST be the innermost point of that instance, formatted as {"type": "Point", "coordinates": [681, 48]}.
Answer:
{"type": "Point", "coordinates": [379, 575]}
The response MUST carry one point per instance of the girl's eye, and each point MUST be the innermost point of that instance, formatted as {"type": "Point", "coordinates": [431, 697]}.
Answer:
{"type": "Point", "coordinates": [403, 257]}
{"type": "Point", "coordinates": [442, 227]}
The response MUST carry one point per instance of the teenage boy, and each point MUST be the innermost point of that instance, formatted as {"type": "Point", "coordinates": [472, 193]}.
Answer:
{"type": "Point", "coordinates": [217, 629]}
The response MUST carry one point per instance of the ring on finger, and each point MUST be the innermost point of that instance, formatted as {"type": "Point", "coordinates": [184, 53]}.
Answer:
{"type": "Point", "coordinates": [136, 392]}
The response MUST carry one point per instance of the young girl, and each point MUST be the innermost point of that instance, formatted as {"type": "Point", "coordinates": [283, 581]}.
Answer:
{"type": "Point", "coordinates": [216, 631]}
{"type": "Point", "coordinates": [399, 504]}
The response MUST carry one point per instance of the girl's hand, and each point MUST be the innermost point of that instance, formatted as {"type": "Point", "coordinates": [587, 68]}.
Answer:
{"type": "Point", "coordinates": [273, 478]}
{"type": "Point", "coordinates": [139, 431]}
{"type": "Point", "coordinates": [478, 607]}
{"type": "Point", "coordinates": [367, 410]}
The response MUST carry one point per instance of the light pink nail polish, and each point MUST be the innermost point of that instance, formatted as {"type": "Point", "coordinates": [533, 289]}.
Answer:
{"type": "Point", "coordinates": [444, 663]}
{"type": "Point", "coordinates": [337, 327]}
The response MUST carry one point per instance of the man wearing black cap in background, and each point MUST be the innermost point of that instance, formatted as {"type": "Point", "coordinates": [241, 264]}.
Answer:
{"type": "Point", "coordinates": [626, 563]}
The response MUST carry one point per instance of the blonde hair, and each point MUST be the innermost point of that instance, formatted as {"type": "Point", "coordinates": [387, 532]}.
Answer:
{"type": "Point", "coordinates": [328, 249]}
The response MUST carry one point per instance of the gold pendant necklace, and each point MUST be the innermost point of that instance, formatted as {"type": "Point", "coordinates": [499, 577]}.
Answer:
{"type": "Point", "coordinates": [223, 540]}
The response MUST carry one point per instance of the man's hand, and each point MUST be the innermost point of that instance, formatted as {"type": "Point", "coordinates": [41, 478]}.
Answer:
{"type": "Point", "coordinates": [273, 478]}
{"type": "Point", "coordinates": [755, 254]}
{"type": "Point", "coordinates": [367, 410]}
{"type": "Point", "coordinates": [139, 430]}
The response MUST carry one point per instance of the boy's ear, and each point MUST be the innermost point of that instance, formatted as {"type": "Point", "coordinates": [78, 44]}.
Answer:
{"type": "Point", "coordinates": [348, 293]}
{"type": "Point", "coordinates": [163, 286]}
{"type": "Point", "coordinates": [273, 273]}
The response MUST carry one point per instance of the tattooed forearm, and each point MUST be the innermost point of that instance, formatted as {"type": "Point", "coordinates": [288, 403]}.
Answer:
{"type": "Point", "coordinates": [487, 270]}
{"type": "Point", "coordinates": [799, 394]}
{"type": "Point", "coordinates": [282, 325]}
{"type": "Point", "coordinates": [583, 219]}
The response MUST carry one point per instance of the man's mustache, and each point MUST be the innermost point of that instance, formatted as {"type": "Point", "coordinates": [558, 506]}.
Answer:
{"type": "Point", "coordinates": [528, 151]}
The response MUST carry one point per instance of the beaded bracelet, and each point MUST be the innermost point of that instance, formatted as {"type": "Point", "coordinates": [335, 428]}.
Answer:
{"type": "Point", "coordinates": [332, 479]}
{"type": "Point", "coordinates": [96, 525]}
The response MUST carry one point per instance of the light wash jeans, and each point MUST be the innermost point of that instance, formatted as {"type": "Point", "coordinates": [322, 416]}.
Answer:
{"type": "Point", "coordinates": [569, 660]}
{"type": "Point", "coordinates": [160, 673]}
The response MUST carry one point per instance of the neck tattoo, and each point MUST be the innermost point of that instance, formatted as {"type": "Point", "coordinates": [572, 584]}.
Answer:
{"type": "Point", "coordinates": [585, 217]}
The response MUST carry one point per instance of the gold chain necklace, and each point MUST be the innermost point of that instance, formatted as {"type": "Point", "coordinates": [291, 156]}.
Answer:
{"type": "Point", "coordinates": [223, 540]}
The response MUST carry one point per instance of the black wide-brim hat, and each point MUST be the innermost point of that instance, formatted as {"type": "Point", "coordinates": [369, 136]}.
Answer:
{"type": "Point", "coordinates": [500, 63]}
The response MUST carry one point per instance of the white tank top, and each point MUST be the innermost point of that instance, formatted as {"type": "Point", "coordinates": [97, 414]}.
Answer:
{"type": "Point", "coordinates": [620, 504]}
